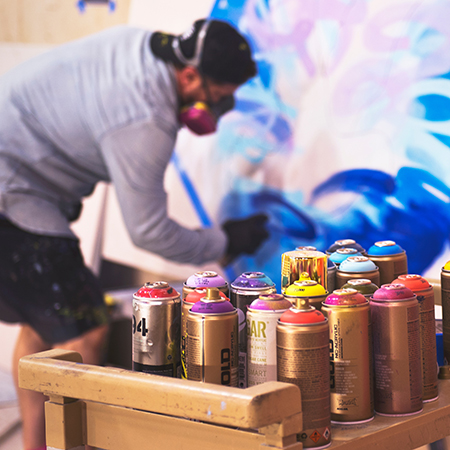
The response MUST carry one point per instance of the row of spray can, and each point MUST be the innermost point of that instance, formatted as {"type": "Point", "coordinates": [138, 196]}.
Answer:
{"type": "Point", "coordinates": [398, 330]}
{"type": "Point", "coordinates": [257, 313]}
{"type": "Point", "coordinates": [160, 314]}
{"type": "Point", "coordinates": [343, 261]}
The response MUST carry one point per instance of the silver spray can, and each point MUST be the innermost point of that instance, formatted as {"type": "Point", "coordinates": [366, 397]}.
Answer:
{"type": "Point", "coordinates": [156, 330]}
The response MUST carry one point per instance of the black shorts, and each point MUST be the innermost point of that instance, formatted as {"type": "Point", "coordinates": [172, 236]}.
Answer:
{"type": "Point", "coordinates": [45, 284]}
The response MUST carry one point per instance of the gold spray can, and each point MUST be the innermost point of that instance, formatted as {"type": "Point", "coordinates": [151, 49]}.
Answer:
{"type": "Point", "coordinates": [186, 304]}
{"type": "Point", "coordinates": [390, 258]}
{"type": "Point", "coordinates": [295, 262]}
{"type": "Point", "coordinates": [302, 359]}
{"type": "Point", "coordinates": [212, 334]}
{"type": "Point", "coordinates": [396, 351]}
{"type": "Point", "coordinates": [350, 356]}
{"type": "Point", "coordinates": [425, 297]}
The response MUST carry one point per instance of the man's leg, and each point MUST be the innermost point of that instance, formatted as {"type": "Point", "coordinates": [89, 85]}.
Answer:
{"type": "Point", "coordinates": [31, 403]}
{"type": "Point", "coordinates": [90, 345]}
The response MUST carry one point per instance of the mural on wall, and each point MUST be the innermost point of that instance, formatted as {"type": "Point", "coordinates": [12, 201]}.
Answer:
{"type": "Point", "coordinates": [344, 133]}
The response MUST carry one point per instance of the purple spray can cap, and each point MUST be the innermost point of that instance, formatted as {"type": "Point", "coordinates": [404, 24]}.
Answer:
{"type": "Point", "coordinates": [270, 302]}
{"type": "Point", "coordinates": [212, 303]}
{"type": "Point", "coordinates": [252, 280]}
{"type": "Point", "coordinates": [205, 279]}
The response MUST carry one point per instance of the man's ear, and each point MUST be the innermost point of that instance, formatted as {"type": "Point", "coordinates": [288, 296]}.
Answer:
{"type": "Point", "coordinates": [189, 76]}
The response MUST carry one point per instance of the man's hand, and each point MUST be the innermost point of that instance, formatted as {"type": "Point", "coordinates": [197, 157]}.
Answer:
{"type": "Point", "coordinates": [244, 236]}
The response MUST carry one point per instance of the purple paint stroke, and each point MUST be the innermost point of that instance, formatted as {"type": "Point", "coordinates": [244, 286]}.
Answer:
{"type": "Point", "coordinates": [370, 83]}
{"type": "Point", "coordinates": [305, 13]}
{"type": "Point", "coordinates": [433, 17]}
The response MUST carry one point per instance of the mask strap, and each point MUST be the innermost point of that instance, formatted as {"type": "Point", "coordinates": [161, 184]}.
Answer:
{"type": "Point", "coordinates": [196, 59]}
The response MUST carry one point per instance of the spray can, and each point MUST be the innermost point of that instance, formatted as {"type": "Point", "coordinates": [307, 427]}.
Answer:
{"type": "Point", "coordinates": [342, 254]}
{"type": "Point", "coordinates": [186, 304]}
{"type": "Point", "coordinates": [347, 243]}
{"type": "Point", "coordinates": [309, 289]}
{"type": "Point", "coordinates": [351, 381]}
{"type": "Point", "coordinates": [302, 359]}
{"type": "Point", "coordinates": [331, 268]}
{"type": "Point", "coordinates": [425, 297]}
{"type": "Point", "coordinates": [396, 347]}
{"type": "Point", "coordinates": [391, 260]}
{"type": "Point", "coordinates": [212, 332]}
{"type": "Point", "coordinates": [205, 279]}
{"type": "Point", "coordinates": [295, 262]}
{"type": "Point", "coordinates": [244, 289]}
{"type": "Point", "coordinates": [262, 317]}
{"type": "Point", "coordinates": [355, 267]}
{"type": "Point", "coordinates": [363, 285]}
{"type": "Point", "coordinates": [445, 296]}
{"type": "Point", "coordinates": [156, 330]}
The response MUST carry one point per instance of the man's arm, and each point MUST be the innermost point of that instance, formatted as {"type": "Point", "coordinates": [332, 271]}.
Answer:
{"type": "Point", "coordinates": [137, 156]}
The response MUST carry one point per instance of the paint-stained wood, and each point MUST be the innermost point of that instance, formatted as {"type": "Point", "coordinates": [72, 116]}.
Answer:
{"type": "Point", "coordinates": [55, 21]}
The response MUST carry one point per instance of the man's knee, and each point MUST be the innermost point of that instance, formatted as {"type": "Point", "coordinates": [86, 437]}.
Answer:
{"type": "Point", "coordinates": [91, 345]}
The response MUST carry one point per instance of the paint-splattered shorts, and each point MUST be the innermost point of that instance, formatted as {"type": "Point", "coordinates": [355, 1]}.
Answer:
{"type": "Point", "coordinates": [44, 283]}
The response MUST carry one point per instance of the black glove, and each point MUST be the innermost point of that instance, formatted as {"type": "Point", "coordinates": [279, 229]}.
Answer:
{"type": "Point", "coordinates": [244, 236]}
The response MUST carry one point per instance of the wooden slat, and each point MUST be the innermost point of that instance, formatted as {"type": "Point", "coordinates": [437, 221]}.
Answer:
{"type": "Point", "coordinates": [255, 407]}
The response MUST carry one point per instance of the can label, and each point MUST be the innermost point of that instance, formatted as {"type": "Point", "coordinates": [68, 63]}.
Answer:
{"type": "Point", "coordinates": [212, 355]}
{"type": "Point", "coordinates": [262, 347]}
{"type": "Point", "coordinates": [302, 359]}
{"type": "Point", "coordinates": [241, 299]}
{"type": "Point", "coordinates": [350, 363]}
{"type": "Point", "coordinates": [397, 357]}
{"type": "Point", "coordinates": [428, 343]}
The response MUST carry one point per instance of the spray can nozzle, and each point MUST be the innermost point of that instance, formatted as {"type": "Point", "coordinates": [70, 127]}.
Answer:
{"type": "Point", "coordinates": [302, 303]}
{"type": "Point", "coordinates": [212, 295]}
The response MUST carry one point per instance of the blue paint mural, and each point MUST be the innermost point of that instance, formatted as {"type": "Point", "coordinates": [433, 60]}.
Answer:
{"type": "Point", "coordinates": [345, 132]}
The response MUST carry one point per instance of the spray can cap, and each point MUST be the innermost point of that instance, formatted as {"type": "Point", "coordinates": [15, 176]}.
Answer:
{"type": "Point", "coordinates": [357, 264]}
{"type": "Point", "coordinates": [345, 243]}
{"type": "Point", "coordinates": [157, 289]}
{"type": "Point", "coordinates": [392, 292]}
{"type": "Point", "coordinates": [206, 278]}
{"type": "Point", "coordinates": [252, 280]}
{"type": "Point", "coordinates": [212, 303]}
{"type": "Point", "coordinates": [382, 248]}
{"type": "Point", "coordinates": [305, 288]}
{"type": "Point", "coordinates": [302, 314]}
{"type": "Point", "coordinates": [347, 297]}
{"type": "Point", "coordinates": [413, 282]}
{"type": "Point", "coordinates": [198, 294]}
{"type": "Point", "coordinates": [270, 302]}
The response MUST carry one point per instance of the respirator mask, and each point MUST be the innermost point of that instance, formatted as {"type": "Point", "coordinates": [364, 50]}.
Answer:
{"type": "Point", "coordinates": [201, 117]}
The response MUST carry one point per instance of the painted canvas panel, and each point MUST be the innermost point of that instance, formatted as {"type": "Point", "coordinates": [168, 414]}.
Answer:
{"type": "Point", "coordinates": [344, 133]}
